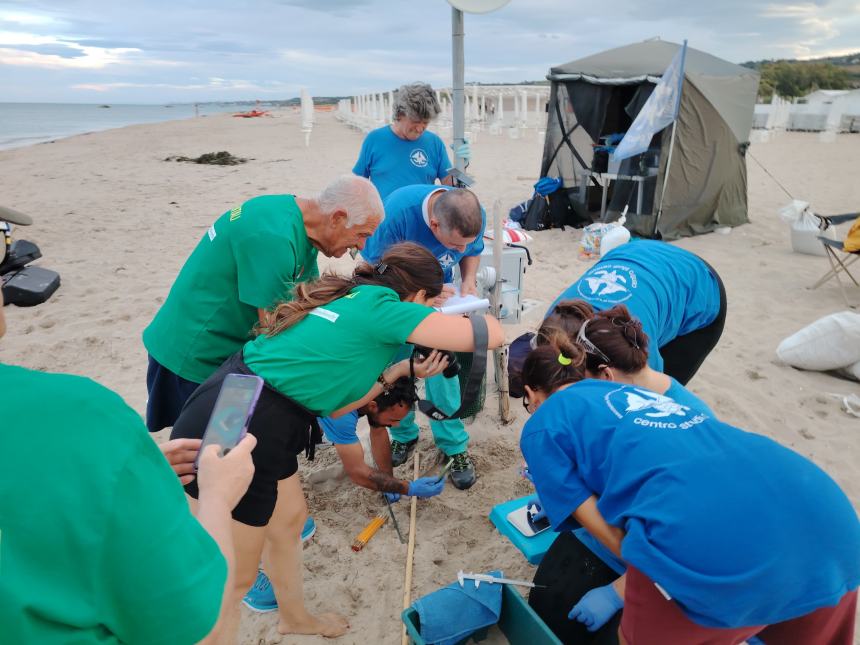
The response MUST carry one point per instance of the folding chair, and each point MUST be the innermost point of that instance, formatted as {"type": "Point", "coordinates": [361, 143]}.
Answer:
{"type": "Point", "coordinates": [838, 264]}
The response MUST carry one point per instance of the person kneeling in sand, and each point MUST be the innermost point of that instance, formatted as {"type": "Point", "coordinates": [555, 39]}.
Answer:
{"type": "Point", "coordinates": [98, 542]}
{"type": "Point", "coordinates": [386, 410]}
{"type": "Point", "coordinates": [324, 353]}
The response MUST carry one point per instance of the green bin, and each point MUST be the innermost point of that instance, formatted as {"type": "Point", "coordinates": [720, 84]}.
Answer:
{"type": "Point", "coordinates": [518, 622]}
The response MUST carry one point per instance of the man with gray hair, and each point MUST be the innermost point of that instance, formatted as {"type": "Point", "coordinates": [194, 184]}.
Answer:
{"type": "Point", "coordinates": [246, 262]}
{"type": "Point", "coordinates": [405, 152]}
{"type": "Point", "coordinates": [449, 222]}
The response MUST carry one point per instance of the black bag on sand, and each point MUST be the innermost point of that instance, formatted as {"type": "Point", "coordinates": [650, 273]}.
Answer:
{"type": "Point", "coordinates": [537, 216]}
{"type": "Point", "coordinates": [29, 286]}
{"type": "Point", "coordinates": [519, 349]}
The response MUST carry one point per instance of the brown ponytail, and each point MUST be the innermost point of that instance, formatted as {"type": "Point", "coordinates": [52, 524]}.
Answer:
{"type": "Point", "coordinates": [616, 335]}
{"type": "Point", "coordinates": [555, 362]}
{"type": "Point", "coordinates": [406, 269]}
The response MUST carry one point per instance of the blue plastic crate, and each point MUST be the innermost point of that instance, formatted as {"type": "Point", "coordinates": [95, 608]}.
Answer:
{"type": "Point", "coordinates": [533, 547]}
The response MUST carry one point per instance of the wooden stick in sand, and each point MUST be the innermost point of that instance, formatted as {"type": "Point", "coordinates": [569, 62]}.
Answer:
{"type": "Point", "coordinates": [410, 551]}
{"type": "Point", "coordinates": [500, 356]}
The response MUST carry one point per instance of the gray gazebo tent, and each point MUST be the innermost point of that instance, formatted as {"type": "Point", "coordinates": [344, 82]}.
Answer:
{"type": "Point", "coordinates": [602, 94]}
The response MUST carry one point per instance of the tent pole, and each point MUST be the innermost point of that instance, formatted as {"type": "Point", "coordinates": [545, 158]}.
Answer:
{"type": "Point", "coordinates": [665, 179]}
{"type": "Point", "coordinates": [458, 62]}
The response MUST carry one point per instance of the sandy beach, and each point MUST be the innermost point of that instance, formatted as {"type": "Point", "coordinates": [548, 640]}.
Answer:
{"type": "Point", "coordinates": [117, 221]}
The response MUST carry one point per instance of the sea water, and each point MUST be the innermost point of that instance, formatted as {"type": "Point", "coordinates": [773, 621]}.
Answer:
{"type": "Point", "coordinates": [23, 124]}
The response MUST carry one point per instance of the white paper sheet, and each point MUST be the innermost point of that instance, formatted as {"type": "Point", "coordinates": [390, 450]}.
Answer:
{"type": "Point", "coordinates": [458, 304]}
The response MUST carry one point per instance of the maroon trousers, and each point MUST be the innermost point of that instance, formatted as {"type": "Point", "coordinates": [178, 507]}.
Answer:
{"type": "Point", "coordinates": [649, 618]}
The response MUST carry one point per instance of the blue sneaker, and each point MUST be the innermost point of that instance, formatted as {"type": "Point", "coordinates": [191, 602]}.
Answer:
{"type": "Point", "coordinates": [261, 595]}
{"type": "Point", "coordinates": [309, 529]}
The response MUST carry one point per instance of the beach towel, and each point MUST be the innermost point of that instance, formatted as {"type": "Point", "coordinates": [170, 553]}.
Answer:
{"type": "Point", "coordinates": [452, 613]}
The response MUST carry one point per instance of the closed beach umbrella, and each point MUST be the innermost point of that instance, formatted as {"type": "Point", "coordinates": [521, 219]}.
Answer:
{"type": "Point", "coordinates": [307, 115]}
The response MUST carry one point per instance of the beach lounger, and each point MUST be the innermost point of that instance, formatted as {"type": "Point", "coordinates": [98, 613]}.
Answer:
{"type": "Point", "coordinates": [838, 257]}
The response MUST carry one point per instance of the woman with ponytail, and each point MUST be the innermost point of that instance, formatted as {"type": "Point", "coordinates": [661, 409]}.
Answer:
{"type": "Point", "coordinates": [616, 348]}
{"type": "Point", "coordinates": [721, 535]}
{"type": "Point", "coordinates": [324, 353]}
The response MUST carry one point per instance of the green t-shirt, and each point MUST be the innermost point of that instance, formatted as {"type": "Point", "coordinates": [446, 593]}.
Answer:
{"type": "Point", "coordinates": [334, 355]}
{"type": "Point", "coordinates": [97, 544]}
{"type": "Point", "coordinates": [249, 259]}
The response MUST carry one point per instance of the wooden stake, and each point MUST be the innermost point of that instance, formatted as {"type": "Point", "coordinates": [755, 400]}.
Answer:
{"type": "Point", "coordinates": [500, 356]}
{"type": "Point", "coordinates": [410, 551]}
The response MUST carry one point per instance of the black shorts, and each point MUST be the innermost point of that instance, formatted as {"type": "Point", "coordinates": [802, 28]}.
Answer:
{"type": "Point", "coordinates": [569, 570]}
{"type": "Point", "coordinates": [168, 392]}
{"type": "Point", "coordinates": [283, 430]}
{"type": "Point", "coordinates": [684, 355]}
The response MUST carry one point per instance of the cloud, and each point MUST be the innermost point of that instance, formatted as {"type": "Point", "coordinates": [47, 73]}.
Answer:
{"type": "Point", "coordinates": [89, 58]}
{"type": "Point", "coordinates": [58, 49]}
{"type": "Point", "coordinates": [161, 50]}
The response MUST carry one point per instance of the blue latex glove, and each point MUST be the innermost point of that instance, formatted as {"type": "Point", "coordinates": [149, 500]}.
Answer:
{"type": "Point", "coordinates": [392, 497]}
{"type": "Point", "coordinates": [533, 504]}
{"type": "Point", "coordinates": [426, 487]}
{"type": "Point", "coordinates": [464, 151]}
{"type": "Point", "coordinates": [755, 640]}
{"type": "Point", "coordinates": [596, 607]}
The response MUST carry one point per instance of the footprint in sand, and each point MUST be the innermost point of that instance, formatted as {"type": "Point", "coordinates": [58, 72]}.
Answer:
{"type": "Point", "coordinates": [47, 324]}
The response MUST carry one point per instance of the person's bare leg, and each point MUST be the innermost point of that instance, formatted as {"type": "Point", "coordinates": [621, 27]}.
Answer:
{"type": "Point", "coordinates": [248, 546]}
{"type": "Point", "coordinates": [282, 562]}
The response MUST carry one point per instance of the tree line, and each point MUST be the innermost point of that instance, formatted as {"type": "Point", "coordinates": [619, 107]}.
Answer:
{"type": "Point", "coordinates": [793, 78]}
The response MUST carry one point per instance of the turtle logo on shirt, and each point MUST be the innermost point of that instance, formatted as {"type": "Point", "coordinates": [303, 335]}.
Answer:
{"type": "Point", "coordinates": [447, 261]}
{"type": "Point", "coordinates": [662, 406]}
{"type": "Point", "coordinates": [651, 410]}
{"type": "Point", "coordinates": [418, 158]}
{"type": "Point", "coordinates": [611, 283]}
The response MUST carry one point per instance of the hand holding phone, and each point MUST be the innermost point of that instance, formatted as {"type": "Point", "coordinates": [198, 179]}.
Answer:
{"type": "Point", "coordinates": [229, 420]}
{"type": "Point", "coordinates": [225, 480]}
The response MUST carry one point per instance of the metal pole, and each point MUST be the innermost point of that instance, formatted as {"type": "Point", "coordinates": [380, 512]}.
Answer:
{"type": "Point", "coordinates": [665, 178]}
{"type": "Point", "coordinates": [458, 98]}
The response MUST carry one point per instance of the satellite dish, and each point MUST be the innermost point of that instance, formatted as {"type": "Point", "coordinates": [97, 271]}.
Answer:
{"type": "Point", "coordinates": [478, 6]}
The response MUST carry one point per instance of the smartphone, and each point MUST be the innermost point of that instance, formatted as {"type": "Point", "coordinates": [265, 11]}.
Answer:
{"type": "Point", "coordinates": [228, 422]}
{"type": "Point", "coordinates": [521, 520]}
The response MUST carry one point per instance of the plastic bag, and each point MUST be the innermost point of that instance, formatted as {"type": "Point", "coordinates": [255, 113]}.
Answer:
{"type": "Point", "coordinates": [806, 227]}
{"type": "Point", "coordinates": [594, 234]}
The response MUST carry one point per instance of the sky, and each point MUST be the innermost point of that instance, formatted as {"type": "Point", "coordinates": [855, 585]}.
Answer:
{"type": "Point", "coordinates": [158, 51]}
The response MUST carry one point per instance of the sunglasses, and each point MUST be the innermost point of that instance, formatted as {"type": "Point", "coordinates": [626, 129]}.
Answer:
{"type": "Point", "coordinates": [590, 347]}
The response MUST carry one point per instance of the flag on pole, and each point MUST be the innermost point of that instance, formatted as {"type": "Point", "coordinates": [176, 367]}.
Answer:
{"type": "Point", "coordinates": [659, 110]}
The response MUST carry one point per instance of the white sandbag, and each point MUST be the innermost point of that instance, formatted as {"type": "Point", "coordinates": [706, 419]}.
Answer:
{"type": "Point", "coordinates": [829, 343]}
{"type": "Point", "coordinates": [852, 371]}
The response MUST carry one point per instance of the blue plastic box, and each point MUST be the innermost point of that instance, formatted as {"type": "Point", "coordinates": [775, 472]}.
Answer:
{"type": "Point", "coordinates": [533, 547]}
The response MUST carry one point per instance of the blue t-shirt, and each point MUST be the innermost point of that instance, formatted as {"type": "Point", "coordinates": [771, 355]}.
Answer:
{"type": "Point", "coordinates": [404, 222]}
{"type": "Point", "coordinates": [738, 529]}
{"type": "Point", "coordinates": [681, 395]}
{"type": "Point", "coordinates": [391, 162]}
{"type": "Point", "coordinates": [341, 430]}
{"type": "Point", "coordinates": [671, 291]}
